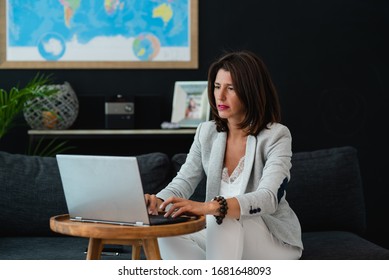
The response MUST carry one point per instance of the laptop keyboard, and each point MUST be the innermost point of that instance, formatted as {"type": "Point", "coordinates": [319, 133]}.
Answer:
{"type": "Point", "coordinates": [161, 219]}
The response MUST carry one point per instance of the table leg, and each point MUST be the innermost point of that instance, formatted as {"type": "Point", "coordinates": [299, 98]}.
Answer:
{"type": "Point", "coordinates": [136, 248]}
{"type": "Point", "coordinates": [95, 247]}
{"type": "Point", "coordinates": [151, 249]}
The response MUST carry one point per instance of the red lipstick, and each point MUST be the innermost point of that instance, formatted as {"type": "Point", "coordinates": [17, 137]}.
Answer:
{"type": "Point", "coordinates": [221, 107]}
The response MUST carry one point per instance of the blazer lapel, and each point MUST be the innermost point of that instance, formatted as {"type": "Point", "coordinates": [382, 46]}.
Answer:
{"type": "Point", "coordinates": [248, 162]}
{"type": "Point", "coordinates": [215, 166]}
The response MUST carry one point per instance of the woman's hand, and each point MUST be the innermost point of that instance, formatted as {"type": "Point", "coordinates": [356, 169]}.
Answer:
{"type": "Point", "coordinates": [153, 203]}
{"type": "Point", "coordinates": [180, 206]}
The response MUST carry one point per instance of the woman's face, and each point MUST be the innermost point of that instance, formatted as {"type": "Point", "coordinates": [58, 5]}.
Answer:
{"type": "Point", "coordinates": [228, 103]}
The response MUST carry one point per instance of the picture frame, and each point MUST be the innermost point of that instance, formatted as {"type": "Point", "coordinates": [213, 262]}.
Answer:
{"type": "Point", "coordinates": [143, 49]}
{"type": "Point", "coordinates": [190, 103]}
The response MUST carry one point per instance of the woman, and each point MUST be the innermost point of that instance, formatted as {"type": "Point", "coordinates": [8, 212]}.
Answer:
{"type": "Point", "coordinates": [246, 155]}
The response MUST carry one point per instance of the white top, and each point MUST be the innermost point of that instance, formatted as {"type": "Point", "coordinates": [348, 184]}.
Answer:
{"type": "Point", "coordinates": [232, 185]}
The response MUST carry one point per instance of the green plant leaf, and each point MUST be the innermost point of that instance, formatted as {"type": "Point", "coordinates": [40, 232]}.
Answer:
{"type": "Point", "coordinates": [50, 149]}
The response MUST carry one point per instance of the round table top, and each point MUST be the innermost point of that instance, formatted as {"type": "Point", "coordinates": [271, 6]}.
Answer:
{"type": "Point", "coordinates": [62, 224]}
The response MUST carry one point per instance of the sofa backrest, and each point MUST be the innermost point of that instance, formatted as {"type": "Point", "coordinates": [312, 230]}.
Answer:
{"type": "Point", "coordinates": [31, 190]}
{"type": "Point", "coordinates": [325, 189]}
{"type": "Point", "coordinates": [30, 193]}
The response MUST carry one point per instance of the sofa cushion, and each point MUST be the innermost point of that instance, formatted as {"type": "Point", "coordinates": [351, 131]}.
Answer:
{"type": "Point", "coordinates": [325, 190]}
{"type": "Point", "coordinates": [155, 171]}
{"type": "Point", "coordinates": [31, 190]}
{"type": "Point", "coordinates": [30, 193]}
{"type": "Point", "coordinates": [340, 245]}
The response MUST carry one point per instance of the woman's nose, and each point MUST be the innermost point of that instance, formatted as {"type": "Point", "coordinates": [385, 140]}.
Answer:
{"type": "Point", "coordinates": [221, 94]}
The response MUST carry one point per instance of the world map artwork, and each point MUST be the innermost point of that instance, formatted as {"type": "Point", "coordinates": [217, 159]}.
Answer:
{"type": "Point", "coordinates": [103, 30]}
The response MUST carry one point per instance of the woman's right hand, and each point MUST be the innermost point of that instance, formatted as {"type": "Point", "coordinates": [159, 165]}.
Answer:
{"type": "Point", "coordinates": [152, 203]}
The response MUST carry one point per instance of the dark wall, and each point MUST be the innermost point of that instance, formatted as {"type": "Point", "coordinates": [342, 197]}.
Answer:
{"type": "Point", "coordinates": [329, 60]}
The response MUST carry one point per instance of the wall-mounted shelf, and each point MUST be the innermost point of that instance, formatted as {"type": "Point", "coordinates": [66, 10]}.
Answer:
{"type": "Point", "coordinates": [119, 141]}
{"type": "Point", "coordinates": [110, 132]}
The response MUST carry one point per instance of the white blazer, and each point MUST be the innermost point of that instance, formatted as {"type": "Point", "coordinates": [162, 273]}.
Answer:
{"type": "Point", "coordinates": [265, 176]}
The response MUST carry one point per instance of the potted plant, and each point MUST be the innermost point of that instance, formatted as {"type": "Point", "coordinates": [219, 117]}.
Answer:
{"type": "Point", "coordinates": [14, 101]}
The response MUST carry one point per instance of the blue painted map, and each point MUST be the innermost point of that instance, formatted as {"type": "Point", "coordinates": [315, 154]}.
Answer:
{"type": "Point", "coordinates": [98, 30]}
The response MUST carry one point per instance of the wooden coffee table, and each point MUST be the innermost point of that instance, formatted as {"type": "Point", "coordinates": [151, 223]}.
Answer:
{"type": "Point", "coordinates": [100, 234]}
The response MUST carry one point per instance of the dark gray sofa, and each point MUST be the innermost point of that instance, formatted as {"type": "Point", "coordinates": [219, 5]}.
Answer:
{"type": "Point", "coordinates": [325, 191]}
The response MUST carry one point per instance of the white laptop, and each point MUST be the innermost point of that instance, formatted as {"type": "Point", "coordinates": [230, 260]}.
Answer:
{"type": "Point", "coordinates": [106, 189]}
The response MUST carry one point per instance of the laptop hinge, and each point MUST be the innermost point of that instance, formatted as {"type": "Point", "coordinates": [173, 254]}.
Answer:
{"type": "Point", "coordinates": [78, 219]}
{"type": "Point", "coordinates": [139, 223]}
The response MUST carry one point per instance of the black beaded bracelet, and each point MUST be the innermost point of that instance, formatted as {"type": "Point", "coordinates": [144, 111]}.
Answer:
{"type": "Point", "coordinates": [222, 210]}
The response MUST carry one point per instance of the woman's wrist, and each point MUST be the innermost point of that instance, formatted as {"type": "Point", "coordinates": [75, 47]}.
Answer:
{"type": "Point", "coordinates": [213, 208]}
{"type": "Point", "coordinates": [221, 210]}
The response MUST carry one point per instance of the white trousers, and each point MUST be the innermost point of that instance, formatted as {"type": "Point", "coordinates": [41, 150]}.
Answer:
{"type": "Point", "coordinates": [232, 240]}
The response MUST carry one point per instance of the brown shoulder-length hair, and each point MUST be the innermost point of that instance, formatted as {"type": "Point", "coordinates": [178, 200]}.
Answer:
{"type": "Point", "coordinates": [254, 87]}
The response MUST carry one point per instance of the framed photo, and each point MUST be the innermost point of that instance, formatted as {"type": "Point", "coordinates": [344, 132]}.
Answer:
{"type": "Point", "coordinates": [63, 34]}
{"type": "Point", "coordinates": [190, 103]}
